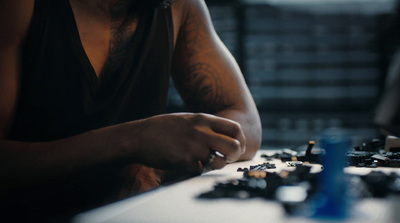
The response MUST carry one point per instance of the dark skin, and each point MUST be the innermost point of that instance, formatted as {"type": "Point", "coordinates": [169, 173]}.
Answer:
{"type": "Point", "coordinates": [224, 115]}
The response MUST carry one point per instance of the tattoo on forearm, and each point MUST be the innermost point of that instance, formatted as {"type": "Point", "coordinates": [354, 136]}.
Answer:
{"type": "Point", "coordinates": [202, 89]}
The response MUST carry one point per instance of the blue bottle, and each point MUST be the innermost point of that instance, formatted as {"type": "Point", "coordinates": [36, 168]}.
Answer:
{"type": "Point", "coordinates": [331, 201]}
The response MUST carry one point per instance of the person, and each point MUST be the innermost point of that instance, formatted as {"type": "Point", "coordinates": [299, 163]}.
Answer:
{"type": "Point", "coordinates": [83, 91]}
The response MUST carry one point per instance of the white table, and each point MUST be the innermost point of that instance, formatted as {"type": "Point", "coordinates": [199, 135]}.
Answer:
{"type": "Point", "coordinates": [179, 203]}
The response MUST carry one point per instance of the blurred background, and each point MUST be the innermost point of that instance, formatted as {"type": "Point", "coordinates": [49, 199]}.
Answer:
{"type": "Point", "coordinates": [309, 64]}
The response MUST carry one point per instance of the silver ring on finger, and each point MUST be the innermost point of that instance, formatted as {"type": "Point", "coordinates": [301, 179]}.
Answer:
{"type": "Point", "coordinates": [210, 160]}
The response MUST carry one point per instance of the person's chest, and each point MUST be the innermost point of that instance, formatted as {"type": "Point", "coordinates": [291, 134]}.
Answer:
{"type": "Point", "coordinates": [103, 37]}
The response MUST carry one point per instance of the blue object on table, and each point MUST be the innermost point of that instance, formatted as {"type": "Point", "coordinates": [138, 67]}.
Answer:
{"type": "Point", "coordinates": [331, 201]}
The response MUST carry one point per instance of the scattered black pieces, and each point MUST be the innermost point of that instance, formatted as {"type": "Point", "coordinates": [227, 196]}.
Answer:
{"type": "Point", "coordinates": [369, 155]}
{"type": "Point", "coordinates": [294, 163]}
{"type": "Point", "coordinates": [373, 145]}
{"type": "Point", "coordinates": [263, 166]}
{"type": "Point", "coordinates": [381, 184]}
{"type": "Point", "coordinates": [373, 159]}
{"type": "Point", "coordinates": [257, 182]}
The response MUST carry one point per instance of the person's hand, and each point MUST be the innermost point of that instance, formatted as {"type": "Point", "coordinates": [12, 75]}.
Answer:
{"type": "Point", "coordinates": [188, 141]}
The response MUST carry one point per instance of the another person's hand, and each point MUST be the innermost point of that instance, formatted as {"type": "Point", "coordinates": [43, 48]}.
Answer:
{"type": "Point", "coordinates": [187, 141]}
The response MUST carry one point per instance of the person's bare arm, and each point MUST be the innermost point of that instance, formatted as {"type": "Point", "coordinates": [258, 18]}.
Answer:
{"type": "Point", "coordinates": [208, 77]}
{"type": "Point", "coordinates": [25, 162]}
{"type": "Point", "coordinates": [150, 141]}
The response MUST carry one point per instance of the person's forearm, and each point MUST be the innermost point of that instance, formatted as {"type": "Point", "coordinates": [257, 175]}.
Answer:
{"type": "Point", "coordinates": [26, 162]}
{"type": "Point", "coordinates": [251, 126]}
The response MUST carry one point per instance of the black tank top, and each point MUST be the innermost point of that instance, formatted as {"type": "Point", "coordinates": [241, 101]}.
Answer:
{"type": "Point", "coordinates": [60, 96]}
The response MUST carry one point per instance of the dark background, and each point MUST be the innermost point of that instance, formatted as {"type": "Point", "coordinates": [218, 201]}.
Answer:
{"type": "Point", "coordinates": [310, 64]}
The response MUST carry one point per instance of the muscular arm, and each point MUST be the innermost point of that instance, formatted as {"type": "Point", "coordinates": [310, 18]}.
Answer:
{"type": "Point", "coordinates": [149, 141]}
{"type": "Point", "coordinates": [208, 77]}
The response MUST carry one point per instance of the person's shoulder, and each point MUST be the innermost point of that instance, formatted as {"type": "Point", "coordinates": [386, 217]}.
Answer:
{"type": "Point", "coordinates": [182, 9]}
{"type": "Point", "coordinates": [15, 17]}
{"type": "Point", "coordinates": [184, 6]}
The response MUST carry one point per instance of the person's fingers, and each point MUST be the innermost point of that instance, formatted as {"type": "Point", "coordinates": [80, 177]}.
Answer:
{"type": "Point", "coordinates": [229, 128]}
{"type": "Point", "coordinates": [230, 147]}
{"type": "Point", "coordinates": [225, 126]}
{"type": "Point", "coordinates": [210, 132]}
